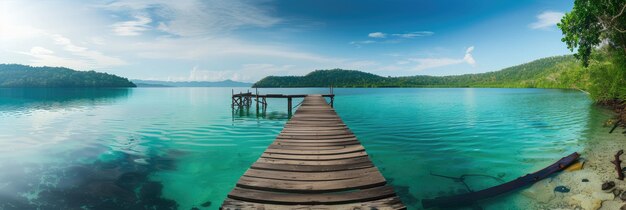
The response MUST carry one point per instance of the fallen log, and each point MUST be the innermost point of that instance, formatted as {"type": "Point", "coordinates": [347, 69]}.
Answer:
{"type": "Point", "coordinates": [618, 165]}
{"type": "Point", "coordinates": [470, 198]}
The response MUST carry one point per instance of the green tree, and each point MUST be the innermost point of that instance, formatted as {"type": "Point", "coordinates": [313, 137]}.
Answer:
{"type": "Point", "coordinates": [593, 22]}
{"type": "Point", "coordinates": [596, 29]}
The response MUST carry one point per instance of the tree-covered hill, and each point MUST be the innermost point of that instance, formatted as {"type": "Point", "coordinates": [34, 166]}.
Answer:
{"type": "Point", "coordinates": [551, 72]}
{"type": "Point", "coordinates": [15, 75]}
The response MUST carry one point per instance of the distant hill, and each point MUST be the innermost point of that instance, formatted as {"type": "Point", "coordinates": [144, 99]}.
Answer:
{"type": "Point", "coordinates": [551, 72]}
{"type": "Point", "coordinates": [15, 75]}
{"type": "Point", "coordinates": [225, 83]}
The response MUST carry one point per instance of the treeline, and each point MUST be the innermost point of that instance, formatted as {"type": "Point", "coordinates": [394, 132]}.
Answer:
{"type": "Point", "coordinates": [15, 75]}
{"type": "Point", "coordinates": [596, 32]}
{"type": "Point", "coordinates": [549, 72]}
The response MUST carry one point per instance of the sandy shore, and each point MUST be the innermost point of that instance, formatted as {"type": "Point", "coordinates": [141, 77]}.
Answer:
{"type": "Point", "coordinates": [585, 185]}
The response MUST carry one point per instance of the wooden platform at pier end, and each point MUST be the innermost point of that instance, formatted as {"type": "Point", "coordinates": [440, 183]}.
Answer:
{"type": "Point", "coordinates": [316, 162]}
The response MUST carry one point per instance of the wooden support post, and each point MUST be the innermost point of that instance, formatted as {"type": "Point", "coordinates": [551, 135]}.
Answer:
{"type": "Point", "coordinates": [264, 104]}
{"type": "Point", "coordinates": [257, 101]}
{"type": "Point", "coordinates": [289, 106]}
{"type": "Point", "coordinates": [332, 101]}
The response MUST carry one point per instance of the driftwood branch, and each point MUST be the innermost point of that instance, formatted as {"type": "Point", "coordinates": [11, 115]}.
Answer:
{"type": "Point", "coordinates": [615, 126]}
{"type": "Point", "coordinates": [471, 197]}
{"type": "Point", "coordinates": [618, 165]}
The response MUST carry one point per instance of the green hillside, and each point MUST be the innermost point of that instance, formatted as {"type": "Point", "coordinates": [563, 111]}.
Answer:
{"type": "Point", "coordinates": [15, 75]}
{"type": "Point", "coordinates": [551, 72]}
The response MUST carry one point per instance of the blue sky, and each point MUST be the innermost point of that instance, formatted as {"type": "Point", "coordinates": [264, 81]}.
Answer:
{"type": "Point", "coordinates": [213, 40]}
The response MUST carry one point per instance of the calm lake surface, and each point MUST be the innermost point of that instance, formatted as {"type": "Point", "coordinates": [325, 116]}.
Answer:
{"type": "Point", "coordinates": [159, 148]}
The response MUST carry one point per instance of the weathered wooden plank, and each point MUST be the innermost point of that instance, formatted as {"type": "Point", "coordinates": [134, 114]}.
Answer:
{"type": "Point", "coordinates": [317, 144]}
{"type": "Point", "coordinates": [316, 140]}
{"type": "Point", "coordinates": [315, 133]}
{"type": "Point", "coordinates": [314, 128]}
{"type": "Point", "coordinates": [365, 195]}
{"type": "Point", "coordinates": [299, 186]}
{"type": "Point", "coordinates": [392, 203]}
{"type": "Point", "coordinates": [317, 124]}
{"type": "Point", "coordinates": [292, 136]}
{"type": "Point", "coordinates": [314, 157]}
{"type": "Point", "coordinates": [311, 168]}
{"type": "Point", "coordinates": [310, 176]}
{"type": "Point", "coordinates": [315, 162]}
{"type": "Point", "coordinates": [286, 147]}
{"type": "Point", "coordinates": [347, 149]}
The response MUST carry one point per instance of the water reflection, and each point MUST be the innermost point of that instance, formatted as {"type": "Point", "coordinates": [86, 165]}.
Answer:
{"type": "Point", "coordinates": [15, 99]}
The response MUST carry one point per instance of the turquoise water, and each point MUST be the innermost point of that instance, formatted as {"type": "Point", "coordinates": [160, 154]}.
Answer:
{"type": "Point", "coordinates": [162, 148]}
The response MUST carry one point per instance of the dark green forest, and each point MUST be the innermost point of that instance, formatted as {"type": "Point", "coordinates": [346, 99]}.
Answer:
{"type": "Point", "coordinates": [15, 75]}
{"type": "Point", "coordinates": [551, 72]}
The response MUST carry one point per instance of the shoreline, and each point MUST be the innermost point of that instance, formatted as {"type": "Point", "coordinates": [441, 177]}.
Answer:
{"type": "Point", "coordinates": [584, 186]}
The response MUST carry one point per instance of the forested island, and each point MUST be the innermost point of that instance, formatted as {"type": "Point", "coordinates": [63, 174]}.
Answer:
{"type": "Point", "coordinates": [15, 75]}
{"type": "Point", "coordinates": [552, 72]}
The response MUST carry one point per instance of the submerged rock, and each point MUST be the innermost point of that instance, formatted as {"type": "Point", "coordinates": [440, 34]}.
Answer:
{"type": "Point", "coordinates": [206, 204]}
{"type": "Point", "coordinates": [585, 180]}
{"type": "Point", "coordinates": [608, 186]}
{"type": "Point", "coordinates": [561, 189]}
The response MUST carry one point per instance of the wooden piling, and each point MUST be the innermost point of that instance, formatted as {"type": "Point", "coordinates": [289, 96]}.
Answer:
{"type": "Point", "coordinates": [289, 106]}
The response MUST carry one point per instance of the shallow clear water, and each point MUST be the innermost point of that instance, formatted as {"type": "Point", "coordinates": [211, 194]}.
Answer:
{"type": "Point", "coordinates": [159, 148]}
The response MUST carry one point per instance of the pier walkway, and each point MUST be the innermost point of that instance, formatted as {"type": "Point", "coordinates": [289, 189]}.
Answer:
{"type": "Point", "coordinates": [316, 162]}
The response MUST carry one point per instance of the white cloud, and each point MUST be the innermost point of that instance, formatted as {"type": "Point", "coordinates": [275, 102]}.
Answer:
{"type": "Point", "coordinates": [547, 19]}
{"type": "Point", "coordinates": [358, 44]}
{"type": "Point", "coordinates": [132, 27]}
{"type": "Point", "coordinates": [95, 58]}
{"type": "Point", "coordinates": [40, 51]}
{"type": "Point", "coordinates": [429, 63]}
{"type": "Point", "coordinates": [377, 35]}
{"type": "Point", "coordinates": [74, 56]}
{"type": "Point", "coordinates": [468, 58]}
{"type": "Point", "coordinates": [195, 17]}
{"type": "Point", "coordinates": [44, 57]}
{"type": "Point", "coordinates": [193, 48]}
{"type": "Point", "coordinates": [382, 37]}
{"type": "Point", "coordinates": [414, 34]}
{"type": "Point", "coordinates": [199, 27]}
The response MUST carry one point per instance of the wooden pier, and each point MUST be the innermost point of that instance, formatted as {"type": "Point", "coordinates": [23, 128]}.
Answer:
{"type": "Point", "coordinates": [244, 100]}
{"type": "Point", "coordinates": [316, 162]}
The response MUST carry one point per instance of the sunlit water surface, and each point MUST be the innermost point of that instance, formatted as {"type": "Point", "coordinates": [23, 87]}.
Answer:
{"type": "Point", "coordinates": [162, 148]}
